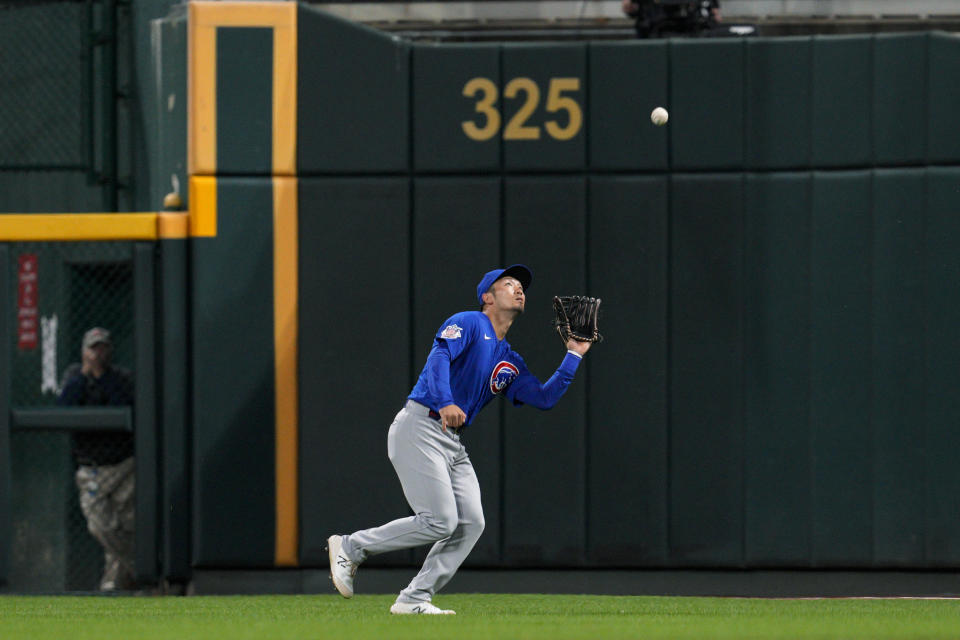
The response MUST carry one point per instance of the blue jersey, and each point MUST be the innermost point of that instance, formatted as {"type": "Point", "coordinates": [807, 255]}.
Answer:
{"type": "Point", "coordinates": [468, 366]}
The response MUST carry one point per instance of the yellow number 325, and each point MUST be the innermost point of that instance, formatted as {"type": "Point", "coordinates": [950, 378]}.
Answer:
{"type": "Point", "coordinates": [485, 93]}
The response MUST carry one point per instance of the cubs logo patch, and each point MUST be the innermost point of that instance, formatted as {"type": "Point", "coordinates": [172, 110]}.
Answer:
{"type": "Point", "coordinates": [452, 332]}
{"type": "Point", "coordinates": [503, 374]}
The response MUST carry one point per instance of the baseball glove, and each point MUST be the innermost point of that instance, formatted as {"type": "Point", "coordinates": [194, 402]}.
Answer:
{"type": "Point", "coordinates": [576, 317]}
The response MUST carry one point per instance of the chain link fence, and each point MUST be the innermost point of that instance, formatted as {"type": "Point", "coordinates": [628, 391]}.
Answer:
{"type": "Point", "coordinates": [45, 84]}
{"type": "Point", "coordinates": [62, 290]}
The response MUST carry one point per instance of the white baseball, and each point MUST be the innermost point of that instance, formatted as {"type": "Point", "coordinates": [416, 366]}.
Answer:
{"type": "Point", "coordinates": [659, 116]}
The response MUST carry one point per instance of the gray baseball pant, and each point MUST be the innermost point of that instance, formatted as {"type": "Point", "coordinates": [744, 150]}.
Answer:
{"type": "Point", "coordinates": [442, 489]}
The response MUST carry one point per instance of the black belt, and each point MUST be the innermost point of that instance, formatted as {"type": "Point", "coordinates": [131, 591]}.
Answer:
{"type": "Point", "coordinates": [436, 416]}
{"type": "Point", "coordinates": [90, 462]}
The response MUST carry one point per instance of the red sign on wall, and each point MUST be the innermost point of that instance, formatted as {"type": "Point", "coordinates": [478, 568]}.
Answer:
{"type": "Point", "coordinates": [28, 318]}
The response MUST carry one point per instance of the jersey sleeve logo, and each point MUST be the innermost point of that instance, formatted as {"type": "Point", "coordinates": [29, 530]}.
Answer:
{"type": "Point", "coordinates": [503, 374]}
{"type": "Point", "coordinates": [452, 332]}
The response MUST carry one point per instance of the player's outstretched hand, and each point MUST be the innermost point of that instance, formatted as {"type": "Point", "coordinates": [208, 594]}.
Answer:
{"type": "Point", "coordinates": [452, 416]}
{"type": "Point", "coordinates": [578, 347]}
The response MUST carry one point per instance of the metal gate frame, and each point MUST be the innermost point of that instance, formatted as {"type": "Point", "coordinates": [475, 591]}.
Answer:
{"type": "Point", "coordinates": [159, 263]}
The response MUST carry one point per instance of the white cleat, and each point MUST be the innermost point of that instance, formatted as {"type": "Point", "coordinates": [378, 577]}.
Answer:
{"type": "Point", "coordinates": [418, 608]}
{"type": "Point", "coordinates": [342, 569]}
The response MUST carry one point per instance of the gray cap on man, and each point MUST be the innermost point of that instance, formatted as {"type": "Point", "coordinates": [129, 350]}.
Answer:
{"type": "Point", "coordinates": [97, 335]}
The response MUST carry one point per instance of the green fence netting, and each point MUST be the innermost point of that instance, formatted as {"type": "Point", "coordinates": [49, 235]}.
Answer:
{"type": "Point", "coordinates": [45, 83]}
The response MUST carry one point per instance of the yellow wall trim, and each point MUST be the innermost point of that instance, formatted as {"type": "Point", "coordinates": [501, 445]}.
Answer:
{"type": "Point", "coordinates": [73, 227]}
{"type": "Point", "coordinates": [204, 19]}
{"type": "Point", "coordinates": [285, 95]}
{"type": "Point", "coordinates": [285, 327]}
{"type": "Point", "coordinates": [203, 206]}
{"type": "Point", "coordinates": [201, 92]}
{"type": "Point", "coordinates": [173, 225]}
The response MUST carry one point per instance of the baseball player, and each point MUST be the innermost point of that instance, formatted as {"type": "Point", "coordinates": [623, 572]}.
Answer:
{"type": "Point", "coordinates": [469, 364]}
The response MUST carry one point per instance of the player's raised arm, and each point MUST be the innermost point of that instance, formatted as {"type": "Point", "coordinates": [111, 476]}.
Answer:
{"type": "Point", "coordinates": [527, 389]}
{"type": "Point", "coordinates": [576, 323]}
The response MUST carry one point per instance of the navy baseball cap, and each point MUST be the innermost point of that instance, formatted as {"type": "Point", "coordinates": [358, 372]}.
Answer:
{"type": "Point", "coordinates": [518, 271]}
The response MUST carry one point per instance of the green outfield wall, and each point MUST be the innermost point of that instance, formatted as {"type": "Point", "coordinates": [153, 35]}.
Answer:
{"type": "Point", "coordinates": [777, 386]}
{"type": "Point", "coordinates": [769, 264]}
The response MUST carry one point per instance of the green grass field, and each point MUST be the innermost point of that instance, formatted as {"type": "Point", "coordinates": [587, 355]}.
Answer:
{"type": "Point", "coordinates": [486, 617]}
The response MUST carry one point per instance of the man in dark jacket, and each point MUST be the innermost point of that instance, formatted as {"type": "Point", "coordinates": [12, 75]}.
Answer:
{"type": "Point", "coordinates": [105, 469]}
